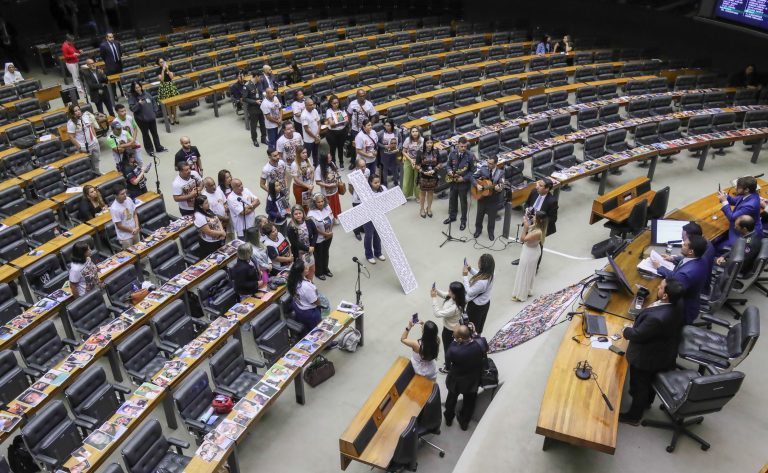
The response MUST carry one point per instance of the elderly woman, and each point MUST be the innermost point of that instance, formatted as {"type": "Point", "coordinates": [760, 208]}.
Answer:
{"type": "Point", "coordinates": [306, 303]}
{"type": "Point", "coordinates": [12, 75]}
{"type": "Point", "coordinates": [245, 274]}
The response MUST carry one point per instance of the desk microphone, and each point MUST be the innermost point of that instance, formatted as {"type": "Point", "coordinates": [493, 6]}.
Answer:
{"type": "Point", "coordinates": [354, 258]}
{"type": "Point", "coordinates": [584, 372]}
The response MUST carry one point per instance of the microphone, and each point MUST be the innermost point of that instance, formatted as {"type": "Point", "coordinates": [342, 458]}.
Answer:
{"type": "Point", "coordinates": [354, 258]}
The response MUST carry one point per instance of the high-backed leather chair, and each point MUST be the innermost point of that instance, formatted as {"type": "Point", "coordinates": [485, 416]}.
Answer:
{"type": "Point", "coordinates": [48, 184]}
{"type": "Point", "coordinates": [51, 435]}
{"type": "Point", "coordinates": [89, 312]}
{"type": "Point", "coordinates": [216, 294]}
{"type": "Point", "coordinates": [405, 451]}
{"type": "Point", "coordinates": [79, 171]}
{"type": "Point", "coordinates": [120, 284]}
{"type": "Point", "coordinates": [509, 139]}
{"type": "Point", "coordinates": [149, 451]}
{"type": "Point", "coordinates": [686, 393]}
{"type": "Point", "coordinates": [141, 358]}
{"type": "Point", "coordinates": [46, 275]}
{"type": "Point", "coordinates": [165, 261]}
{"type": "Point", "coordinates": [13, 378]}
{"type": "Point", "coordinates": [430, 419]}
{"type": "Point", "coordinates": [18, 162]}
{"type": "Point", "coordinates": [152, 215]}
{"type": "Point", "coordinates": [12, 200]}
{"type": "Point", "coordinates": [40, 228]}
{"type": "Point", "coordinates": [93, 399]}
{"type": "Point", "coordinates": [232, 372]}
{"type": "Point", "coordinates": [49, 151]}
{"type": "Point", "coordinates": [175, 327]}
{"type": "Point", "coordinates": [270, 333]}
{"type": "Point", "coordinates": [634, 223]}
{"type": "Point", "coordinates": [10, 307]}
{"type": "Point", "coordinates": [723, 352]}
{"type": "Point", "coordinates": [42, 348]}
{"type": "Point", "coordinates": [12, 243]}
{"type": "Point", "coordinates": [189, 240]}
{"type": "Point", "coordinates": [658, 207]}
{"type": "Point", "coordinates": [193, 398]}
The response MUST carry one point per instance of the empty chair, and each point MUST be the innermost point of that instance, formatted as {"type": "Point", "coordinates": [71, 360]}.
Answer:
{"type": "Point", "coordinates": [148, 450]}
{"type": "Point", "coordinates": [270, 333]}
{"type": "Point", "coordinates": [232, 372]}
{"type": "Point", "coordinates": [587, 118]}
{"type": "Point", "coordinates": [174, 327]}
{"type": "Point", "coordinates": [698, 125]}
{"type": "Point", "coordinates": [715, 99]}
{"type": "Point", "coordinates": [17, 162]}
{"type": "Point", "coordinates": [8, 94]}
{"type": "Point", "coordinates": [441, 129]}
{"type": "Point", "coordinates": [12, 243]}
{"type": "Point", "coordinates": [489, 115]}
{"type": "Point", "coordinates": [563, 156]}
{"type": "Point", "coordinates": [404, 88]}
{"type": "Point", "coordinates": [424, 84]}
{"type": "Point", "coordinates": [634, 223]}
{"type": "Point", "coordinates": [464, 122]}
{"type": "Point", "coordinates": [685, 82]}
{"type": "Point", "coordinates": [661, 106]}
{"type": "Point", "coordinates": [609, 114]}
{"type": "Point", "coordinates": [537, 103]}
{"type": "Point", "coordinates": [542, 164]}
{"type": "Point", "coordinates": [511, 86]}
{"type": "Point", "coordinates": [193, 399]}
{"type": "Point", "coordinates": [669, 129]}
{"type": "Point", "coordinates": [512, 109]}
{"type": "Point", "coordinates": [388, 72]}
{"type": "Point", "coordinates": [470, 74]}
{"type": "Point", "coordinates": [165, 261]}
{"type": "Point", "coordinates": [755, 119]}
{"type": "Point", "coordinates": [646, 134]}
{"type": "Point", "coordinates": [350, 62]}
{"type": "Point", "coordinates": [397, 114]}
{"type": "Point", "coordinates": [413, 67]}
{"type": "Point", "coordinates": [79, 171]}
{"type": "Point", "coordinates": [465, 96]}
{"type": "Point", "coordinates": [515, 67]}
{"type": "Point", "coordinates": [636, 87]}
{"type": "Point", "coordinates": [560, 124]}
{"type": "Point", "coordinates": [494, 70]}
{"type": "Point", "coordinates": [594, 147]}
{"type": "Point", "coordinates": [658, 206]}
{"type": "Point", "coordinates": [42, 348]}
{"type": "Point", "coordinates": [639, 108]}
{"type": "Point", "coordinates": [52, 121]}
{"type": "Point", "coordinates": [535, 81]}
{"type": "Point", "coordinates": [433, 63]}
{"type": "Point", "coordinates": [41, 227]}
{"type": "Point", "coordinates": [140, 356]}
{"type": "Point", "coordinates": [584, 74]}
{"type": "Point", "coordinates": [557, 99]}
{"type": "Point", "coordinates": [724, 121]}
{"type": "Point", "coordinates": [12, 200]}
{"type": "Point", "coordinates": [88, 313]}
{"type": "Point", "coordinates": [368, 76]}
{"type": "Point", "coordinates": [404, 456]}
{"type": "Point", "coordinates": [615, 141]}
{"type": "Point", "coordinates": [692, 101]}
{"type": "Point", "coordinates": [394, 54]}
{"type": "Point", "coordinates": [557, 78]}
{"type": "Point", "coordinates": [46, 275]}
{"type": "Point", "coordinates": [490, 91]}
{"type": "Point", "coordinates": [13, 378]}
{"type": "Point", "coordinates": [10, 307]}
{"type": "Point", "coordinates": [607, 91]}
{"type": "Point", "coordinates": [51, 435]}
{"type": "Point", "coordinates": [745, 97]}
{"type": "Point", "coordinates": [488, 145]}
{"type": "Point", "coordinates": [21, 136]}
{"type": "Point", "coordinates": [152, 216]}
{"type": "Point", "coordinates": [538, 63]}
{"type": "Point", "coordinates": [454, 59]}
{"type": "Point", "coordinates": [450, 78]}
{"type": "Point", "coordinates": [27, 108]}
{"type": "Point", "coordinates": [417, 109]}
{"type": "Point", "coordinates": [509, 139]}
{"type": "Point", "coordinates": [586, 57]}
{"type": "Point", "coordinates": [48, 152]}
{"type": "Point", "coordinates": [48, 184]}
{"type": "Point", "coordinates": [93, 398]}
{"type": "Point", "coordinates": [538, 130]}
{"type": "Point", "coordinates": [658, 85]}
{"type": "Point", "coordinates": [120, 284]}
{"type": "Point", "coordinates": [604, 71]}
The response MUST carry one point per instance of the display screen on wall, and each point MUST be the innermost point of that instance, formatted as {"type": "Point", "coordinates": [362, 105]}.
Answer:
{"type": "Point", "coordinates": [752, 13]}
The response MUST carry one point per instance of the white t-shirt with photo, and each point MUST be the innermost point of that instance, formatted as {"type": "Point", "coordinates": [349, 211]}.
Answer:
{"type": "Point", "coordinates": [368, 143]}
{"type": "Point", "coordinates": [331, 178]}
{"type": "Point", "coordinates": [323, 220]}
{"type": "Point", "coordinates": [123, 213]}
{"type": "Point", "coordinates": [312, 121]}
{"type": "Point", "coordinates": [273, 173]}
{"type": "Point", "coordinates": [273, 109]}
{"type": "Point", "coordinates": [217, 201]}
{"type": "Point", "coordinates": [213, 223]}
{"type": "Point", "coordinates": [290, 147]}
{"type": "Point", "coordinates": [83, 132]}
{"type": "Point", "coordinates": [184, 186]}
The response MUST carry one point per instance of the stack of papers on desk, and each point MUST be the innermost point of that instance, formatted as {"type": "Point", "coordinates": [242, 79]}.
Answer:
{"type": "Point", "coordinates": [647, 266]}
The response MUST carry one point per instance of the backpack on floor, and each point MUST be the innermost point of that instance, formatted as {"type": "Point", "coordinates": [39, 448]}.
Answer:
{"type": "Point", "coordinates": [19, 458]}
{"type": "Point", "coordinates": [349, 339]}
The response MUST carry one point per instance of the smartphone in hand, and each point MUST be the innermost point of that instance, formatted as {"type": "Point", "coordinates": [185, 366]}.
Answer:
{"type": "Point", "coordinates": [415, 318]}
{"type": "Point", "coordinates": [465, 262]}
{"type": "Point", "coordinates": [434, 285]}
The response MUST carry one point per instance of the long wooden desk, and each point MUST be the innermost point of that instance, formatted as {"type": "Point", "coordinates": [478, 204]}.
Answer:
{"type": "Point", "coordinates": [391, 411]}
{"type": "Point", "coordinates": [617, 204]}
{"type": "Point", "coordinates": [572, 410]}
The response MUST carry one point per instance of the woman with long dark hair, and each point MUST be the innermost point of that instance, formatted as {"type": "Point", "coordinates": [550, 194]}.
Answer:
{"type": "Point", "coordinates": [134, 174]}
{"type": "Point", "coordinates": [302, 234]}
{"type": "Point", "coordinates": [91, 204]}
{"type": "Point", "coordinates": [478, 283]}
{"type": "Point", "coordinates": [425, 349]}
{"type": "Point", "coordinates": [278, 208]}
{"type": "Point", "coordinates": [306, 303]}
{"type": "Point", "coordinates": [338, 123]}
{"type": "Point", "coordinates": [427, 165]}
{"type": "Point", "coordinates": [389, 148]}
{"type": "Point", "coordinates": [533, 244]}
{"type": "Point", "coordinates": [449, 306]}
{"type": "Point", "coordinates": [145, 108]}
{"type": "Point", "coordinates": [327, 178]}
{"type": "Point", "coordinates": [209, 227]}
{"type": "Point", "coordinates": [167, 88]}
{"type": "Point", "coordinates": [303, 174]}
{"type": "Point", "coordinates": [83, 273]}
{"type": "Point", "coordinates": [225, 182]}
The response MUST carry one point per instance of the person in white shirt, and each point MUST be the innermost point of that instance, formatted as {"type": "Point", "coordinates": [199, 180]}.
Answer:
{"type": "Point", "coordinates": [478, 283]}
{"type": "Point", "coordinates": [297, 108]}
{"type": "Point", "coordinates": [123, 212]}
{"type": "Point", "coordinates": [306, 303]}
{"type": "Point", "coordinates": [275, 170]}
{"type": "Point", "coordinates": [303, 178]}
{"type": "Point", "coordinates": [82, 133]}
{"type": "Point", "coordinates": [242, 203]}
{"type": "Point", "coordinates": [289, 145]}
{"type": "Point", "coordinates": [360, 166]}
{"type": "Point", "coordinates": [338, 121]}
{"type": "Point", "coordinates": [366, 143]}
{"type": "Point", "coordinates": [272, 110]}
{"type": "Point", "coordinates": [322, 215]}
{"type": "Point", "coordinates": [211, 232]}
{"type": "Point", "coordinates": [185, 187]}
{"type": "Point", "coordinates": [278, 247]}
{"type": "Point", "coordinates": [120, 140]}
{"type": "Point", "coordinates": [126, 120]}
{"type": "Point", "coordinates": [216, 200]}
{"type": "Point", "coordinates": [358, 110]}
{"type": "Point", "coordinates": [310, 122]}
{"type": "Point", "coordinates": [12, 75]}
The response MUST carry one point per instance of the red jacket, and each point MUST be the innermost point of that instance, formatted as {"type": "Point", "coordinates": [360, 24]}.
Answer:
{"type": "Point", "coordinates": [70, 51]}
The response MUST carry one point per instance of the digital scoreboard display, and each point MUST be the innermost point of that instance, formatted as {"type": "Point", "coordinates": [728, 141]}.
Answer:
{"type": "Point", "coordinates": [747, 12]}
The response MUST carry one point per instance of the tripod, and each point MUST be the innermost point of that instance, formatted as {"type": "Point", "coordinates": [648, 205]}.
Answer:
{"type": "Point", "coordinates": [449, 237]}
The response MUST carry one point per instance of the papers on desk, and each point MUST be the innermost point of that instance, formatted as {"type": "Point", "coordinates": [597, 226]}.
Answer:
{"type": "Point", "coordinates": [46, 137]}
{"type": "Point", "coordinates": [74, 190]}
{"type": "Point", "coordinates": [596, 343]}
{"type": "Point", "coordinates": [646, 265]}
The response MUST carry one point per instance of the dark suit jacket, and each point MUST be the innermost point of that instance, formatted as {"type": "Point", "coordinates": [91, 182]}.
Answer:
{"type": "Point", "coordinates": [246, 277]}
{"type": "Point", "coordinates": [263, 85]}
{"type": "Point", "coordinates": [466, 360]}
{"type": "Point", "coordinates": [694, 276]}
{"type": "Point", "coordinates": [742, 205]}
{"type": "Point", "coordinates": [549, 207]}
{"type": "Point", "coordinates": [110, 65]}
{"type": "Point", "coordinates": [751, 250]}
{"type": "Point", "coordinates": [654, 337]}
{"type": "Point", "coordinates": [94, 84]}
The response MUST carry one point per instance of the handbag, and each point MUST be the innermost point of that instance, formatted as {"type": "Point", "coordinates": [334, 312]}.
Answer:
{"type": "Point", "coordinates": [342, 187]}
{"type": "Point", "coordinates": [320, 370]}
{"type": "Point", "coordinates": [489, 378]}
{"type": "Point", "coordinates": [222, 404]}
{"type": "Point", "coordinates": [139, 295]}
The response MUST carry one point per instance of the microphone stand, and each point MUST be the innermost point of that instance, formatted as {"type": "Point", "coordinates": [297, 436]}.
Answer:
{"type": "Point", "coordinates": [358, 287]}
{"type": "Point", "coordinates": [157, 176]}
{"type": "Point", "coordinates": [449, 237]}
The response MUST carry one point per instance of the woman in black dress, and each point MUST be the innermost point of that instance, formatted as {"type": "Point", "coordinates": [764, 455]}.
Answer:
{"type": "Point", "coordinates": [91, 204]}
{"type": "Point", "coordinates": [427, 164]}
{"type": "Point", "coordinates": [167, 87]}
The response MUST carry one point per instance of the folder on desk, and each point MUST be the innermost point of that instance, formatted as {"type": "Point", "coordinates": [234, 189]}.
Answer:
{"type": "Point", "coordinates": [647, 266]}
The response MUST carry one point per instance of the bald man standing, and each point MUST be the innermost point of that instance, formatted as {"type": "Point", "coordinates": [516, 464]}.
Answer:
{"type": "Point", "coordinates": [189, 154]}
{"type": "Point", "coordinates": [272, 110]}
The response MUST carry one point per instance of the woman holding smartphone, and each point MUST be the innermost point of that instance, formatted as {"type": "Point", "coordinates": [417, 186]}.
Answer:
{"type": "Point", "coordinates": [448, 306]}
{"type": "Point", "coordinates": [478, 283]}
{"type": "Point", "coordinates": [425, 349]}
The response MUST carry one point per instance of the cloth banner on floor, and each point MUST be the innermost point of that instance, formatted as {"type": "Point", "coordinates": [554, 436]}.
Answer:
{"type": "Point", "coordinates": [535, 318]}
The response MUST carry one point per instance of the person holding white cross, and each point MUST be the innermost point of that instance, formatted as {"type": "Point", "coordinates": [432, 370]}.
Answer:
{"type": "Point", "coordinates": [372, 241]}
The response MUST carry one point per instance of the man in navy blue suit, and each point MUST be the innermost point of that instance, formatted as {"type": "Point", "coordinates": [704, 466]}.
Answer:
{"type": "Point", "coordinates": [693, 228]}
{"type": "Point", "coordinates": [691, 271]}
{"type": "Point", "coordinates": [746, 202]}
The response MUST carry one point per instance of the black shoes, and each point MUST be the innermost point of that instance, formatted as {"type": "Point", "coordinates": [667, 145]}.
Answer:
{"type": "Point", "coordinates": [264, 141]}
{"type": "Point", "coordinates": [448, 220]}
{"type": "Point", "coordinates": [321, 277]}
{"type": "Point", "coordinates": [162, 149]}
{"type": "Point", "coordinates": [515, 262]}
{"type": "Point", "coordinates": [448, 420]}
{"type": "Point", "coordinates": [477, 234]}
{"type": "Point", "coordinates": [463, 226]}
{"type": "Point", "coordinates": [625, 419]}
{"type": "Point", "coordinates": [464, 426]}
{"type": "Point", "coordinates": [329, 273]}
{"type": "Point", "coordinates": [351, 165]}
{"type": "Point", "coordinates": [359, 237]}
{"type": "Point", "coordinates": [491, 236]}
{"type": "Point", "coordinates": [256, 143]}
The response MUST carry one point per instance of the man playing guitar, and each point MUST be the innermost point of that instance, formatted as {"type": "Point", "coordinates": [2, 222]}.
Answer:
{"type": "Point", "coordinates": [461, 163]}
{"type": "Point", "coordinates": [487, 187]}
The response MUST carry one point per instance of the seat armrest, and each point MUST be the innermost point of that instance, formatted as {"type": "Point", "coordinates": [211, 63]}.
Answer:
{"type": "Point", "coordinates": [226, 391]}
{"type": "Point", "coordinates": [24, 304]}
{"type": "Point", "coordinates": [179, 444]}
{"type": "Point", "coordinates": [84, 333]}
{"type": "Point", "coordinates": [146, 232]}
{"type": "Point", "coordinates": [50, 461]}
{"type": "Point", "coordinates": [114, 310]}
{"type": "Point", "coordinates": [266, 349]}
{"type": "Point", "coordinates": [122, 391]}
{"type": "Point", "coordinates": [32, 373]}
{"type": "Point", "coordinates": [714, 352]}
{"type": "Point", "coordinates": [33, 243]}
{"type": "Point", "coordinates": [294, 325]}
{"type": "Point", "coordinates": [86, 422]}
{"type": "Point", "coordinates": [195, 425]}
{"type": "Point", "coordinates": [120, 306]}
{"type": "Point", "coordinates": [168, 347]}
{"type": "Point", "coordinates": [136, 375]}
{"type": "Point", "coordinates": [716, 320]}
{"type": "Point", "coordinates": [254, 364]}
{"type": "Point", "coordinates": [200, 323]}
{"type": "Point", "coordinates": [69, 342]}
{"type": "Point", "coordinates": [711, 369]}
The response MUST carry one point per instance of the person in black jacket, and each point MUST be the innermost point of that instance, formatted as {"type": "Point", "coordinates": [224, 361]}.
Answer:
{"type": "Point", "coordinates": [301, 233]}
{"type": "Point", "coordinates": [96, 83]}
{"type": "Point", "coordinates": [144, 109]}
{"type": "Point", "coordinates": [112, 53]}
{"type": "Point", "coordinates": [653, 340]}
{"type": "Point", "coordinates": [252, 100]}
{"type": "Point", "coordinates": [245, 275]}
{"type": "Point", "coordinates": [465, 358]}
{"type": "Point", "coordinates": [461, 165]}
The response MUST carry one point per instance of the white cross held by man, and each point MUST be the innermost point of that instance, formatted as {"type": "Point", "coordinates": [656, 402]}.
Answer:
{"type": "Point", "coordinates": [373, 208]}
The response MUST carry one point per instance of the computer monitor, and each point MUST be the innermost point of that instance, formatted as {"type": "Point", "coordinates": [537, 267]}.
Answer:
{"type": "Point", "coordinates": [664, 231]}
{"type": "Point", "coordinates": [620, 275]}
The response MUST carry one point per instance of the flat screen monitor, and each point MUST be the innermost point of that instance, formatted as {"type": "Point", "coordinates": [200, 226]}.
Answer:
{"type": "Point", "coordinates": [620, 275]}
{"type": "Point", "coordinates": [752, 13]}
{"type": "Point", "coordinates": [664, 231]}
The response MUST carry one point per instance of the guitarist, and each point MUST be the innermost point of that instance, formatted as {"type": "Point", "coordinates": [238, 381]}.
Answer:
{"type": "Point", "coordinates": [461, 164]}
{"type": "Point", "coordinates": [487, 180]}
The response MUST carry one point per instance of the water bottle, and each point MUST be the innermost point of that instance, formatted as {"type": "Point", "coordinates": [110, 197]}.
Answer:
{"type": "Point", "coordinates": [134, 287]}
{"type": "Point", "coordinates": [669, 249]}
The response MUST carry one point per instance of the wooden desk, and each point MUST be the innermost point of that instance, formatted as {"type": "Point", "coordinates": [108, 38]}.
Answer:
{"type": "Point", "coordinates": [49, 93]}
{"type": "Point", "coordinates": [619, 80]}
{"type": "Point", "coordinates": [53, 246]}
{"type": "Point", "coordinates": [179, 99]}
{"type": "Point", "coordinates": [423, 122]}
{"type": "Point", "coordinates": [617, 204]}
{"type": "Point", "coordinates": [8, 273]}
{"type": "Point", "coordinates": [30, 211]}
{"type": "Point", "coordinates": [572, 410]}
{"type": "Point", "coordinates": [10, 182]}
{"type": "Point", "coordinates": [391, 411]}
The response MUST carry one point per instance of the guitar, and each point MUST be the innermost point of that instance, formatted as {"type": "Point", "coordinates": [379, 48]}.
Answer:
{"type": "Point", "coordinates": [488, 188]}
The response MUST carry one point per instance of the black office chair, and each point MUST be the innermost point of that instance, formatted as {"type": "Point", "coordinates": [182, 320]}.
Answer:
{"type": "Point", "coordinates": [12, 200]}
{"type": "Point", "coordinates": [723, 352]}
{"type": "Point", "coordinates": [89, 312]}
{"type": "Point", "coordinates": [51, 435]}
{"type": "Point", "coordinates": [189, 240]}
{"type": "Point", "coordinates": [113, 468]}
{"type": "Point", "coordinates": [141, 358]}
{"type": "Point", "coordinates": [46, 275]}
{"type": "Point", "coordinates": [42, 348]}
{"type": "Point", "coordinates": [271, 334]}
{"type": "Point", "coordinates": [12, 243]}
{"type": "Point", "coordinates": [724, 281]}
{"type": "Point", "coordinates": [120, 284]}
{"type": "Point", "coordinates": [751, 276]}
{"type": "Point", "coordinates": [174, 327]}
{"type": "Point", "coordinates": [79, 171]}
{"type": "Point", "coordinates": [686, 393]}
{"type": "Point", "coordinates": [47, 152]}
{"type": "Point", "coordinates": [233, 373]}
{"type": "Point", "coordinates": [634, 223]}
{"type": "Point", "coordinates": [216, 294]}
{"type": "Point", "coordinates": [13, 378]}
{"type": "Point", "coordinates": [152, 215]}
{"type": "Point", "coordinates": [149, 451]}
{"type": "Point", "coordinates": [405, 451]}
{"type": "Point", "coordinates": [17, 162]}
{"type": "Point", "coordinates": [10, 307]}
{"type": "Point", "coordinates": [430, 419]}
{"type": "Point", "coordinates": [193, 399]}
{"type": "Point", "coordinates": [41, 227]}
{"type": "Point", "coordinates": [658, 207]}
{"type": "Point", "coordinates": [165, 261]}
{"type": "Point", "coordinates": [93, 399]}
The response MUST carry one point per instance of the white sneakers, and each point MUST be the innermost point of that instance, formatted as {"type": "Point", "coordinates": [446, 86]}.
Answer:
{"type": "Point", "coordinates": [382, 258]}
{"type": "Point", "coordinates": [373, 261]}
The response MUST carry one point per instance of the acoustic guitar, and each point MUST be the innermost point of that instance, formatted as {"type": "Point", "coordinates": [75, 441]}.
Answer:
{"type": "Point", "coordinates": [488, 188]}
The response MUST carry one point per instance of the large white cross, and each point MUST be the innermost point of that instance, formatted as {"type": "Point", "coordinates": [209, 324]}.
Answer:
{"type": "Point", "coordinates": [373, 208]}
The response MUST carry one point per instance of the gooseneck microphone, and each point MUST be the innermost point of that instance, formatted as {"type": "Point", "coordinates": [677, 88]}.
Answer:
{"type": "Point", "coordinates": [584, 372]}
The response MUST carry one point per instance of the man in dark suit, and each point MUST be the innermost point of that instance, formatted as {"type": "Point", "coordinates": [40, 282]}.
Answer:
{"type": "Point", "coordinates": [112, 54]}
{"type": "Point", "coordinates": [252, 100]}
{"type": "Point", "coordinates": [745, 225]}
{"type": "Point", "coordinates": [266, 80]}
{"type": "Point", "coordinates": [653, 340]}
{"type": "Point", "coordinates": [691, 271]}
{"type": "Point", "coordinates": [465, 358]}
{"type": "Point", "coordinates": [542, 199]}
{"type": "Point", "coordinates": [746, 202]}
{"type": "Point", "coordinates": [96, 83]}
{"type": "Point", "coordinates": [693, 228]}
{"type": "Point", "coordinates": [461, 164]}
{"type": "Point", "coordinates": [488, 205]}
